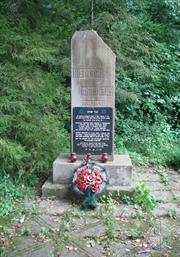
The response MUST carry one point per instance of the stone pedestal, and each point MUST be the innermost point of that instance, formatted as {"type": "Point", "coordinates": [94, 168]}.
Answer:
{"type": "Point", "coordinates": [119, 172]}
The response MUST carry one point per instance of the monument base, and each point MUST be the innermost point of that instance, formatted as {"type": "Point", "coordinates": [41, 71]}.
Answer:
{"type": "Point", "coordinates": [63, 191]}
{"type": "Point", "coordinates": [119, 173]}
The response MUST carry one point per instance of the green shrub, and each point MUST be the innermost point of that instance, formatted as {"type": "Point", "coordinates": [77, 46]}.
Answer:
{"type": "Point", "coordinates": [9, 193]}
{"type": "Point", "coordinates": [35, 78]}
{"type": "Point", "coordinates": [144, 197]}
{"type": "Point", "coordinates": [155, 144]}
{"type": "Point", "coordinates": [35, 110]}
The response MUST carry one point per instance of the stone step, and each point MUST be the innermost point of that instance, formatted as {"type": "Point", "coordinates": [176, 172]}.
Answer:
{"type": "Point", "coordinates": [64, 191]}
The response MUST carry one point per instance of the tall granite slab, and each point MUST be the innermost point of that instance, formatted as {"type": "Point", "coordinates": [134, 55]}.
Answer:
{"type": "Point", "coordinates": [92, 111]}
{"type": "Point", "coordinates": [92, 94]}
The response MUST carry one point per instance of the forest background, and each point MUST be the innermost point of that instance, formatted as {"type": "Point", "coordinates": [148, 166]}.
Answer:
{"type": "Point", "coordinates": [35, 79]}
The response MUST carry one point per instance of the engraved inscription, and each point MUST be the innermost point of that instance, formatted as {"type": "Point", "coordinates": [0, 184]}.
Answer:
{"type": "Point", "coordinates": [92, 130]}
{"type": "Point", "coordinates": [96, 91]}
{"type": "Point", "coordinates": [87, 73]}
{"type": "Point", "coordinates": [91, 103]}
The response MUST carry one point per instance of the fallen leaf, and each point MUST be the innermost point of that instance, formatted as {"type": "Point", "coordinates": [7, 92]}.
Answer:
{"type": "Point", "coordinates": [137, 240]}
{"type": "Point", "coordinates": [18, 225]}
{"type": "Point", "coordinates": [22, 219]}
{"type": "Point", "coordinates": [144, 251]}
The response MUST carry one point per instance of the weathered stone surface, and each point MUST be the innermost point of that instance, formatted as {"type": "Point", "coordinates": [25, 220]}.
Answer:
{"type": "Point", "coordinates": [122, 189]}
{"type": "Point", "coordinates": [122, 249]}
{"type": "Point", "coordinates": [63, 169]}
{"type": "Point", "coordinates": [94, 62]}
{"type": "Point", "coordinates": [176, 186]}
{"type": "Point", "coordinates": [27, 247]}
{"type": "Point", "coordinates": [61, 191]}
{"type": "Point", "coordinates": [163, 209]}
{"type": "Point", "coordinates": [93, 86]}
{"type": "Point", "coordinates": [132, 236]}
{"type": "Point", "coordinates": [93, 230]}
{"type": "Point", "coordinates": [47, 218]}
{"type": "Point", "coordinates": [89, 246]}
{"type": "Point", "coordinates": [54, 207]}
{"type": "Point", "coordinates": [150, 177]}
{"type": "Point", "coordinates": [119, 173]}
{"type": "Point", "coordinates": [119, 170]}
{"type": "Point", "coordinates": [70, 253]}
{"type": "Point", "coordinates": [163, 196]}
{"type": "Point", "coordinates": [156, 186]}
{"type": "Point", "coordinates": [126, 211]}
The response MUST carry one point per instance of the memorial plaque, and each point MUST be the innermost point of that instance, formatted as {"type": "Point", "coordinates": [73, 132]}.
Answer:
{"type": "Point", "coordinates": [92, 130]}
{"type": "Point", "coordinates": [92, 90]}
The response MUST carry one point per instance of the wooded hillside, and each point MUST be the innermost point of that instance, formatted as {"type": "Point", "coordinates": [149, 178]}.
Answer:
{"type": "Point", "coordinates": [35, 82]}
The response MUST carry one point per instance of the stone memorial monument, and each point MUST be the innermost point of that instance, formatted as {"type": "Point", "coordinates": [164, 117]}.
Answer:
{"type": "Point", "coordinates": [93, 94]}
{"type": "Point", "coordinates": [92, 116]}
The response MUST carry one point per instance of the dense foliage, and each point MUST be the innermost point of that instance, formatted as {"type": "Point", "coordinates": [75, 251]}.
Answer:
{"type": "Point", "coordinates": [35, 77]}
{"type": "Point", "coordinates": [9, 193]}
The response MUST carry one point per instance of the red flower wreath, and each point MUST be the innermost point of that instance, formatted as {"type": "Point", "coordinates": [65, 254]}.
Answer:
{"type": "Point", "coordinates": [88, 178]}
